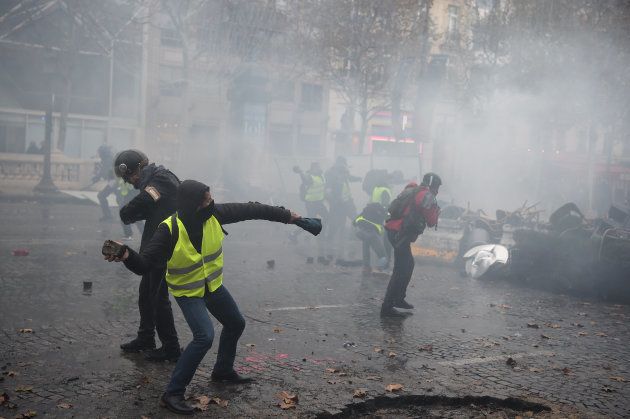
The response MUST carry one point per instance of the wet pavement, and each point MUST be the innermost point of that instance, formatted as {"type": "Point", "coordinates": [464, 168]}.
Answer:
{"type": "Point", "coordinates": [313, 331]}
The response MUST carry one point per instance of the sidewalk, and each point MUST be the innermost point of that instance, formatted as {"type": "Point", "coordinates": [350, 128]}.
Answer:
{"type": "Point", "coordinates": [312, 331]}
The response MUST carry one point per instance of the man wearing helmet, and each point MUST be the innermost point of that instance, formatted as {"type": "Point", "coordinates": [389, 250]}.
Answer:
{"type": "Point", "coordinates": [419, 210]}
{"type": "Point", "coordinates": [154, 203]}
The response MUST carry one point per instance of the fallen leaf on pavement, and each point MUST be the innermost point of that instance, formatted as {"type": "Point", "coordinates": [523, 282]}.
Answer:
{"type": "Point", "coordinates": [251, 345]}
{"type": "Point", "coordinates": [12, 373]}
{"type": "Point", "coordinates": [602, 334]}
{"type": "Point", "coordinates": [608, 389]}
{"type": "Point", "coordinates": [582, 333]}
{"type": "Point", "coordinates": [359, 393]}
{"type": "Point", "coordinates": [4, 397]}
{"type": "Point", "coordinates": [373, 378]}
{"type": "Point", "coordinates": [332, 370]}
{"type": "Point", "coordinates": [577, 324]}
{"type": "Point", "coordinates": [285, 395]}
{"type": "Point", "coordinates": [427, 348]}
{"type": "Point", "coordinates": [277, 330]}
{"type": "Point", "coordinates": [393, 387]}
{"type": "Point", "coordinates": [64, 405]}
{"type": "Point", "coordinates": [619, 379]}
{"type": "Point", "coordinates": [23, 389]}
{"type": "Point", "coordinates": [553, 325]}
{"type": "Point", "coordinates": [219, 401]}
{"type": "Point", "coordinates": [567, 371]}
{"type": "Point", "coordinates": [201, 403]}
{"type": "Point", "coordinates": [285, 406]}
{"type": "Point", "coordinates": [25, 330]}
{"type": "Point", "coordinates": [511, 362]}
{"type": "Point", "coordinates": [27, 414]}
{"type": "Point", "coordinates": [391, 354]}
{"type": "Point", "coordinates": [544, 336]}
{"type": "Point", "coordinates": [378, 350]}
{"type": "Point", "coordinates": [533, 325]}
{"type": "Point", "coordinates": [504, 306]}
{"type": "Point", "coordinates": [333, 382]}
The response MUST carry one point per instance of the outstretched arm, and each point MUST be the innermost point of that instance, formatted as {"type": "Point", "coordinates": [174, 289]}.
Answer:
{"type": "Point", "coordinates": [155, 254]}
{"type": "Point", "coordinates": [236, 212]}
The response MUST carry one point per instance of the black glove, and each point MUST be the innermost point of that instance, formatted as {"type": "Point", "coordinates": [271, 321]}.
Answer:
{"type": "Point", "coordinates": [312, 225]}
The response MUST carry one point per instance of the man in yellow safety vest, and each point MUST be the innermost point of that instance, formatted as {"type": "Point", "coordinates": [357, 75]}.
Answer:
{"type": "Point", "coordinates": [189, 242]}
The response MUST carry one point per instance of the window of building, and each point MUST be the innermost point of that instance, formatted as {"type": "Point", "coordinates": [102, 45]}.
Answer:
{"type": "Point", "coordinates": [453, 21]}
{"type": "Point", "coordinates": [281, 140]}
{"type": "Point", "coordinates": [170, 81]}
{"type": "Point", "coordinates": [170, 38]}
{"type": "Point", "coordinates": [284, 91]}
{"type": "Point", "coordinates": [312, 97]}
{"type": "Point", "coordinates": [309, 144]}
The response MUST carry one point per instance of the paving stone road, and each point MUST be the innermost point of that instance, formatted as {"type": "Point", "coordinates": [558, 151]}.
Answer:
{"type": "Point", "coordinates": [312, 330]}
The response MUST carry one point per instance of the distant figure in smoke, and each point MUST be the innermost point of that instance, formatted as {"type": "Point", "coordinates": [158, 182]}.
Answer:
{"type": "Point", "coordinates": [341, 205]}
{"type": "Point", "coordinates": [414, 209]}
{"type": "Point", "coordinates": [312, 193]}
{"type": "Point", "coordinates": [189, 243]}
{"type": "Point", "coordinates": [103, 170]}
{"type": "Point", "coordinates": [370, 230]}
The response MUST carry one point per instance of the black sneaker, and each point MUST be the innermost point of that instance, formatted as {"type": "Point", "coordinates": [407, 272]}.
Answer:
{"type": "Point", "coordinates": [403, 304]}
{"type": "Point", "coordinates": [392, 312]}
{"type": "Point", "coordinates": [161, 355]}
{"type": "Point", "coordinates": [176, 403]}
{"type": "Point", "coordinates": [138, 345]}
{"type": "Point", "coordinates": [230, 378]}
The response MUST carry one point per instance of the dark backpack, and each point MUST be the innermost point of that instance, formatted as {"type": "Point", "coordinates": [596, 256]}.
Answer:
{"type": "Point", "coordinates": [397, 206]}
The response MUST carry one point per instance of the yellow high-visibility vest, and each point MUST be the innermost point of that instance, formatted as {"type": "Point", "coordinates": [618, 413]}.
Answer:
{"type": "Point", "coordinates": [379, 227]}
{"type": "Point", "coordinates": [315, 191]}
{"type": "Point", "coordinates": [188, 271]}
{"type": "Point", "coordinates": [377, 194]}
{"type": "Point", "coordinates": [124, 187]}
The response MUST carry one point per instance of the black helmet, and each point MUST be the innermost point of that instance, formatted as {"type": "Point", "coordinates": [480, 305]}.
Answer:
{"type": "Point", "coordinates": [128, 161]}
{"type": "Point", "coordinates": [431, 180]}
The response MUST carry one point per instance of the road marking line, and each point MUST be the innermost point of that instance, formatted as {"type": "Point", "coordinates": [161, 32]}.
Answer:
{"type": "Point", "coordinates": [310, 307]}
{"type": "Point", "coordinates": [479, 360]}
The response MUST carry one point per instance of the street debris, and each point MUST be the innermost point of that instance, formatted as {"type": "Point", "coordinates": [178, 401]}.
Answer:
{"type": "Point", "coordinates": [24, 389]}
{"type": "Point", "coordinates": [394, 387]}
{"type": "Point", "coordinates": [533, 326]}
{"type": "Point", "coordinates": [542, 335]}
{"type": "Point", "coordinates": [619, 379]}
{"type": "Point", "coordinates": [426, 348]}
{"type": "Point", "coordinates": [511, 362]}
{"type": "Point", "coordinates": [63, 405]}
{"type": "Point", "coordinates": [378, 350]}
{"type": "Point", "coordinates": [4, 401]}
{"type": "Point", "coordinates": [567, 371]}
{"type": "Point", "coordinates": [359, 393]}
{"type": "Point", "coordinates": [391, 354]}
{"type": "Point", "coordinates": [25, 330]}
{"type": "Point", "coordinates": [277, 330]}
{"type": "Point", "coordinates": [288, 400]}
{"type": "Point", "coordinates": [349, 345]}
{"type": "Point", "coordinates": [26, 415]}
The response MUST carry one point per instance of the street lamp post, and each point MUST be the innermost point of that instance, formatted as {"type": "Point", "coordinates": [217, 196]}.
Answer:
{"type": "Point", "coordinates": [46, 184]}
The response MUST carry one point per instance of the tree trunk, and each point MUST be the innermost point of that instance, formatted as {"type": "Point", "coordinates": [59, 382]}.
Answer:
{"type": "Point", "coordinates": [364, 124]}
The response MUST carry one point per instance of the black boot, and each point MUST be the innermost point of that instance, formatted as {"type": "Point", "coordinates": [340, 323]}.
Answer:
{"type": "Point", "coordinates": [230, 378]}
{"type": "Point", "coordinates": [403, 304]}
{"type": "Point", "coordinates": [161, 355]}
{"type": "Point", "coordinates": [176, 403]}
{"type": "Point", "coordinates": [138, 344]}
{"type": "Point", "coordinates": [390, 311]}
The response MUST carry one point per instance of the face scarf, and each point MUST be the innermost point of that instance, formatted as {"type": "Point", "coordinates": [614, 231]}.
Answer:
{"type": "Point", "coordinates": [190, 194]}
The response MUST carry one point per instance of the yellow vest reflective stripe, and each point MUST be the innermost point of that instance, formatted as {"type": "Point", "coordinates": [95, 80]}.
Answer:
{"type": "Point", "coordinates": [379, 227]}
{"type": "Point", "coordinates": [377, 193]}
{"type": "Point", "coordinates": [346, 195]}
{"type": "Point", "coordinates": [188, 271]}
{"type": "Point", "coordinates": [315, 191]}
{"type": "Point", "coordinates": [124, 187]}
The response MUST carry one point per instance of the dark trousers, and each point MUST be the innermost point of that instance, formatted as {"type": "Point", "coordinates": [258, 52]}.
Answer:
{"type": "Point", "coordinates": [155, 310]}
{"type": "Point", "coordinates": [195, 309]}
{"type": "Point", "coordinates": [371, 240]}
{"type": "Point", "coordinates": [102, 195]}
{"type": "Point", "coordinates": [401, 274]}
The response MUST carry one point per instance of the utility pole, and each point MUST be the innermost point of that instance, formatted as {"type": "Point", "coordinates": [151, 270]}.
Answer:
{"type": "Point", "coordinates": [46, 184]}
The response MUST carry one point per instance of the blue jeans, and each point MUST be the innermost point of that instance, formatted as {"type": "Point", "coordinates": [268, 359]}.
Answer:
{"type": "Point", "coordinates": [195, 309]}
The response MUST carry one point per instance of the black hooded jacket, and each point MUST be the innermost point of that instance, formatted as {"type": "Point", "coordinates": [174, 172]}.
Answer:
{"type": "Point", "coordinates": [152, 207]}
{"type": "Point", "coordinates": [190, 195]}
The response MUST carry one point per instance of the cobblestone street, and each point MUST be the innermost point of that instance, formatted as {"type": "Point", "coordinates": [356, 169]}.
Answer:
{"type": "Point", "coordinates": [312, 330]}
